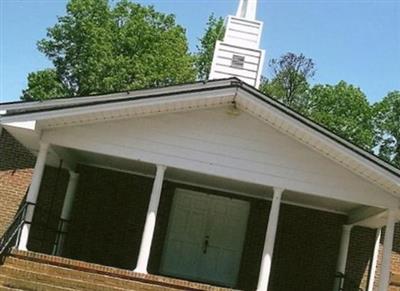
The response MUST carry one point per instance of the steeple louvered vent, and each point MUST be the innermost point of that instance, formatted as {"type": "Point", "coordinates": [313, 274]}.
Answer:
{"type": "Point", "coordinates": [239, 55]}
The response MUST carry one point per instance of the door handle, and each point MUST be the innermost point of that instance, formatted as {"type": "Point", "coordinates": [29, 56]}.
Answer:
{"type": "Point", "coordinates": [205, 244]}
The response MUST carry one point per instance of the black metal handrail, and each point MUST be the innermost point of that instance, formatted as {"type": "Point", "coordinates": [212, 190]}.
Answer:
{"type": "Point", "coordinates": [10, 237]}
{"type": "Point", "coordinates": [60, 234]}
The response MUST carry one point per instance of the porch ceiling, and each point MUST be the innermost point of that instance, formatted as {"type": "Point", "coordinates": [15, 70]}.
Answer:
{"type": "Point", "coordinates": [207, 181]}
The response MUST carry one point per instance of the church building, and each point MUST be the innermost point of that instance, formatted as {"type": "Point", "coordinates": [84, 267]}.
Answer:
{"type": "Point", "coordinates": [201, 186]}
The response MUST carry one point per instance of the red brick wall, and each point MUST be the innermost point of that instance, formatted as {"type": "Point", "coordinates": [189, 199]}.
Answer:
{"type": "Point", "coordinates": [16, 168]}
{"type": "Point", "coordinates": [306, 249]}
{"type": "Point", "coordinates": [47, 211]}
{"type": "Point", "coordinates": [108, 217]}
{"type": "Point", "coordinates": [16, 165]}
{"type": "Point", "coordinates": [254, 244]}
{"type": "Point", "coordinates": [359, 257]}
{"type": "Point", "coordinates": [395, 258]}
{"type": "Point", "coordinates": [396, 255]}
{"type": "Point", "coordinates": [305, 252]}
{"type": "Point", "coordinates": [396, 250]}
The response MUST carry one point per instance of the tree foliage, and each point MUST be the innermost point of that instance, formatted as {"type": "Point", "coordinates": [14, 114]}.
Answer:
{"type": "Point", "coordinates": [96, 48]}
{"type": "Point", "coordinates": [44, 85]}
{"type": "Point", "coordinates": [342, 108]}
{"type": "Point", "coordinates": [214, 31]}
{"type": "Point", "coordinates": [387, 122]}
{"type": "Point", "coordinates": [289, 82]}
{"type": "Point", "coordinates": [345, 110]}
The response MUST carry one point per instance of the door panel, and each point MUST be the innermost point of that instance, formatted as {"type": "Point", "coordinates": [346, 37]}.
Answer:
{"type": "Point", "coordinates": [227, 232]}
{"type": "Point", "coordinates": [205, 237]}
{"type": "Point", "coordinates": [185, 236]}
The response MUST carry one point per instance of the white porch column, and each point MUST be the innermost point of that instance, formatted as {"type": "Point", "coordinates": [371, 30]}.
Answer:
{"type": "Point", "coordinates": [387, 251]}
{"type": "Point", "coordinates": [344, 249]}
{"type": "Point", "coordinates": [33, 194]}
{"type": "Point", "coordinates": [150, 224]}
{"type": "Point", "coordinates": [265, 269]}
{"type": "Point", "coordinates": [374, 260]}
{"type": "Point", "coordinates": [66, 212]}
{"type": "Point", "coordinates": [342, 258]}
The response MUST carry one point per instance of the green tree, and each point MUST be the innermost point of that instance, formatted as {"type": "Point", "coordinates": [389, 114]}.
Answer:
{"type": "Point", "coordinates": [214, 31]}
{"type": "Point", "coordinates": [345, 110]}
{"type": "Point", "coordinates": [341, 108]}
{"type": "Point", "coordinates": [43, 85]}
{"type": "Point", "coordinates": [289, 82]}
{"type": "Point", "coordinates": [98, 48]}
{"type": "Point", "coordinates": [387, 122]}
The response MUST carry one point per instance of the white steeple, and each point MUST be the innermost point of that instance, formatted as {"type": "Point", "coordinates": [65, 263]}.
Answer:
{"type": "Point", "coordinates": [239, 54]}
{"type": "Point", "coordinates": [247, 9]}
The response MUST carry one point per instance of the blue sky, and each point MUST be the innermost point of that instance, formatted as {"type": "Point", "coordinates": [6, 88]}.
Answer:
{"type": "Point", "coordinates": [353, 40]}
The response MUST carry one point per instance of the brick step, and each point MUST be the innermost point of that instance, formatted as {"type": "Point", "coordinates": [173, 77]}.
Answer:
{"type": "Point", "coordinates": [395, 279]}
{"type": "Point", "coordinates": [99, 274]}
{"type": "Point", "coordinates": [52, 279]}
{"type": "Point", "coordinates": [98, 281]}
{"type": "Point", "coordinates": [22, 284]}
{"type": "Point", "coordinates": [4, 288]}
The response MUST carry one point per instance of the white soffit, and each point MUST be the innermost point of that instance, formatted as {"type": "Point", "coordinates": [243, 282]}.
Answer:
{"type": "Point", "coordinates": [127, 109]}
{"type": "Point", "coordinates": [319, 142]}
{"type": "Point", "coordinates": [29, 125]}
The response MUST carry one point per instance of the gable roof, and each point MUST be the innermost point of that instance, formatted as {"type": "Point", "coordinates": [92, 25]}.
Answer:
{"type": "Point", "coordinates": [25, 107]}
{"type": "Point", "coordinates": [71, 111]}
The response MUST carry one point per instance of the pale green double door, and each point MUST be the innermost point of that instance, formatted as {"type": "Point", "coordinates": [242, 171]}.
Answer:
{"type": "Point", "coordinates": [205, 238]}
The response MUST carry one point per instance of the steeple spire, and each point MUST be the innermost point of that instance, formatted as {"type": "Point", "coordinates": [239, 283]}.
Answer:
{"type": "Point", "coordinates": [239, 54]}
{"type": "Point", "coordinates": [247, 9]}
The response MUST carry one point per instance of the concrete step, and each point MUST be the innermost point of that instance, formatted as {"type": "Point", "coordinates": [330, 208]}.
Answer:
{"type": "Point", "coordinates": [51, 279]}
{"type": "Point", "coordinates": [64, 277]}
{"type": "Point", "coordinates": [28, 285]}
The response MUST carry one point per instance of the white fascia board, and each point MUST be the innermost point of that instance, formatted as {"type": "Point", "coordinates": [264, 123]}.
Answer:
{"type": "Point", "coordinates": [121, 105]}
{"type": "Point", "coordinates": [280, 118]}
{"type": "Point", "coordinates": [114, 96]}
{"type": "Point", "coordinates": [310, 125]}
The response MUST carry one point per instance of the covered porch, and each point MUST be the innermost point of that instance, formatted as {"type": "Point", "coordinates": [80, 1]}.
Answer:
{"type": "Point", "coordinates": [171, 222]}
{"type": "Point", "coordinates": [256, 195]}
